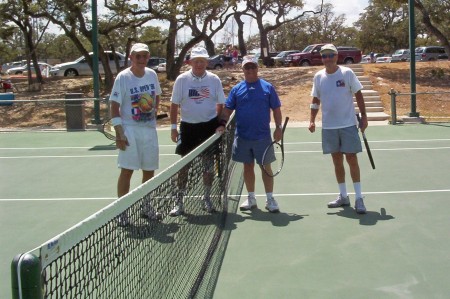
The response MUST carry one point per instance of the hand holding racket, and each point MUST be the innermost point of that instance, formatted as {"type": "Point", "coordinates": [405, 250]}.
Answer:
{"type": "Point", "coordinates": [273, 158]}
{"type": "Point", "coordinates": [108, 129]}
{"type": "Point", "coordinates": [366, 143]}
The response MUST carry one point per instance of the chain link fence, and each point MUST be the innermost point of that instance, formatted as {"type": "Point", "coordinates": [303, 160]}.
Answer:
{"type": "Point", "coordinates": [73, 112]}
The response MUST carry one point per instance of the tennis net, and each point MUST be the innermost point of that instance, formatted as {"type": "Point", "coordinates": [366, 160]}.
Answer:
{"type": "Point", "coordinates": [172, 257]}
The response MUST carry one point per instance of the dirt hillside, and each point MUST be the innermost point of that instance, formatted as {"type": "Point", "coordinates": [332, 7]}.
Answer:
{"type": "Point", "coordinates": [293, 85]}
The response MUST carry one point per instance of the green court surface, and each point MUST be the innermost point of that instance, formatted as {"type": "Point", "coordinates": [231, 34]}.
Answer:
{"type": "Point", "coordinates": [399, 249]}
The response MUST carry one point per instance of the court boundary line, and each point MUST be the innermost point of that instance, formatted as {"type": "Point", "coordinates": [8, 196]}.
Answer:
{"type": "Point", "coordinates": [258, 195]}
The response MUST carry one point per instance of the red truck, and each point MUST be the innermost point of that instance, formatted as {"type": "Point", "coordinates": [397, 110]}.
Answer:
{"type": "Point", "coordinates": [311, 56]}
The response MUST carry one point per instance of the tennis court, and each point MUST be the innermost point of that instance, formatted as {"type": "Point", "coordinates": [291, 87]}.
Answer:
{"type": "Point", "coordinates": [399, 249]}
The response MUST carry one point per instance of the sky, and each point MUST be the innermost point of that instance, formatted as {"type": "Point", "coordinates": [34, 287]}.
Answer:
{"type": "Point", "coordinates": [350, 8]}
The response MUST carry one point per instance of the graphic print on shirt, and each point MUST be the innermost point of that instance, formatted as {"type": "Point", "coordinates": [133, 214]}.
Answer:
{"type": "Point", "coordinates": [143, 101]}
{"type": "Point", "coordinates": [199, 94]}
{"type": "Point", "coordinates": [340, 83]}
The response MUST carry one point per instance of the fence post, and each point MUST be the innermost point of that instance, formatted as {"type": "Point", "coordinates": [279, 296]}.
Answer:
{"type": "Point", "coordinates": [393, 95]}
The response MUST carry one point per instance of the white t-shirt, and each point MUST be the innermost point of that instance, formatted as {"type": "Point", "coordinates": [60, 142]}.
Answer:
{"type": "Point", "coordinates": [335, 92]}
{"type": "Point", "coordinates": [197, 97]}
{"type": "Point", "coordinates": [128, 90]}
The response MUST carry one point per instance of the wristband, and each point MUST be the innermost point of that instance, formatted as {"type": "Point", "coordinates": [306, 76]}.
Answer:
{"type": "Point", "coordinates": [173, 126]}
{"type": "Point", "coordinates": [314, 106]}
{"type": "Point", "coordinates": [279, 126]}
{"type": "Point", "coordinates": [116, 121]}
{"type": "Point", "coordinates": [222, 122]}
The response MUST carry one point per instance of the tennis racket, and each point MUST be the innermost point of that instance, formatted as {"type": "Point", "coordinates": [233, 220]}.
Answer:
{"type": "Point", "coordinates": [366, 143]}
{"type": "Point", "coordinates": [273, 158]}
{"type": "Point", "coordinates": [108, 129]}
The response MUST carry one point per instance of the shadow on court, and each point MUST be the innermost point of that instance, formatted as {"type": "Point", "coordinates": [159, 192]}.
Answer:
{"type": "Point", "coordinates": [277, 219]}
{"type": "Point", "coordinates": [370, 218]}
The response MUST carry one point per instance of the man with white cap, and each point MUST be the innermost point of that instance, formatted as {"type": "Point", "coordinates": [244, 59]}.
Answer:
{"type": "Point", "coordinates": [253, 99]}
{"type": "Point", "coordinates": [333, 89]}
{"type": "Point", "coordinates": [199, 95]}
{"type": "Point", "coordinates": [134, 103]}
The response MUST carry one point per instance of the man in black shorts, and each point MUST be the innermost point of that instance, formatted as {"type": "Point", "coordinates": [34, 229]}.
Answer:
{"type": "Point", "coordinates": [199, 96]}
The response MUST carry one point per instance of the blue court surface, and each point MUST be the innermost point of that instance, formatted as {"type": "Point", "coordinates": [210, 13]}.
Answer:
{"type": "Point", "coordinates": [399, 249]}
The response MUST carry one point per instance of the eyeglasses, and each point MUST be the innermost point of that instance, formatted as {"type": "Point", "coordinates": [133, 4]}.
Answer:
{"type": "Point", "coordinates": [250, 66]}
{"type": "Point", "coordinates": [331, 55]}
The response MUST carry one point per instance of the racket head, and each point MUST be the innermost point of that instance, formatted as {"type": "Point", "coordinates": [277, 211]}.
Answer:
{"type": "Point", "coordinates": [273, 159]}
{"type": "Point", "coordinates": [108, 130]}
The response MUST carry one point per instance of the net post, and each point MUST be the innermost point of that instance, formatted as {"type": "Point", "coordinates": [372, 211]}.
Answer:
{"type": "Point", "coordinates": [26, 277]}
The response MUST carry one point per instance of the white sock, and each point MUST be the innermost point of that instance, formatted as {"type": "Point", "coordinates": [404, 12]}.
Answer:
{"type": "Point", "coordinates": [343, 190]}
{"type": "Point", "coordinates": [251, 194]}
{"type": "Point", "coordinates": [358, 193]}
{"type": "Point", "coordinates": [269, 195]}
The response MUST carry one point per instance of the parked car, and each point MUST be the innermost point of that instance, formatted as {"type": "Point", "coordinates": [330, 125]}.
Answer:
{"type": "Point", "coordinates": [161, 67]}
{"type": "Point", "coordinates": [311, 56]}
{"type": "Point", "coordinates": [215, 62]}
{"type": "Point", "coordinates": [366, 59]}
{"type": "Point", "coordinates": [7, 66]}
{"type": "Point", "coordinates": [383, 59]}
{"type": "Point", "coordinates": [81, 67]}
{"type": "Point", "coordinates": [281, 57]}
{"type": "Point", "coordinates": [21, 69]}
{"type": "Point", "coordinates": [154, 62]}
{"type": "Point", "coordinates": [429, 53]}
{"type": "Point", "coordinates": [443, 57]}
{"type": "Point", "coordinates": [400, 55]}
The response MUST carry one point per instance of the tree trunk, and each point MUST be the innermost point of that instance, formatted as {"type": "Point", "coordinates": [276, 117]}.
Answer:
{"type": "Point", "coordinates": [241, 40]}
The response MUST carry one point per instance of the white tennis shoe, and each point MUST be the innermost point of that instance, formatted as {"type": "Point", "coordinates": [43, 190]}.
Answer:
{"type": "Point", "coordinates": [272, 205]}
{"type": "Point", "coordinates": [359, 206]}
{"type": "Point", "coordinates": [248, 204]}
{"type": "Point", "coordinates": [340, 201]}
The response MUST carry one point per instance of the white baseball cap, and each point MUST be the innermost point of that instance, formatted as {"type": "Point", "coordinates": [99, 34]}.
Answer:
{"type": "Point", "coordinates": [328, 47]}
{"type": "Point", "coordinates": [249, 59]}
{"type": "Point", "coordinates": [199, 52]}
{"type": "Point", "coordinates": [139, 47]}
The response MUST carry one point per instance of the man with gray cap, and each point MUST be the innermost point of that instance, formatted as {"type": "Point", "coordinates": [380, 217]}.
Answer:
{"type": "Point", "coordinates": [134, 104]}
{"type": "Point", "coordinates": [333, 89]}
{"type": "Point", "coordinates": [253, 99]}
{"type": "Point", "coordinates": [199, 95]}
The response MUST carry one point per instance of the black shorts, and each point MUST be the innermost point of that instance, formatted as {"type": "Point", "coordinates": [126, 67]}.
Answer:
{"type": "Point", "coordinates": [227, 58]}
{"type": "Point", "coordinates": [192, 135]}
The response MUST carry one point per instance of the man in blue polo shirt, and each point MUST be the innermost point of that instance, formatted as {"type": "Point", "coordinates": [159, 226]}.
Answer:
{"type": "Point", "coordinates": [253, 99]}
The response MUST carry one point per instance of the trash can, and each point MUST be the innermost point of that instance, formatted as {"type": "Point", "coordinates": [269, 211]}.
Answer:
{"type": "Point", "coordinates": [75, 119]}
{"type": "Point", "coordinates": [6, 99]}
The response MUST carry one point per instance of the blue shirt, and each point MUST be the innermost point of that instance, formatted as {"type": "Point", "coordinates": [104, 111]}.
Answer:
{"type": "Point", "coordinates": [252, 103]}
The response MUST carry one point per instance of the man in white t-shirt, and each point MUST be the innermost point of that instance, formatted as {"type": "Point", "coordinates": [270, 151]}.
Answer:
{"type": "Point", "coordinates": [199, 96]}
{"type": "Point", "coordinates": [134, 104]}
{"type": "Point", "coordinates": [333, 89]}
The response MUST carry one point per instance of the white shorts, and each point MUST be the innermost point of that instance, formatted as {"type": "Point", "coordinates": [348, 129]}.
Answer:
{"type": "Point", "coordinates": [143, 150]}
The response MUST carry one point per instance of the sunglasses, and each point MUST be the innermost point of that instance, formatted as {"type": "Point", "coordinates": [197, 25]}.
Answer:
{"type": "Point", "coordinates": [331, 55]}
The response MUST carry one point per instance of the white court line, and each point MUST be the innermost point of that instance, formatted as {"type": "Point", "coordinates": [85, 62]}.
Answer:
{"type": "Point", "coordinates": [380, 149]}
{"type": "Point", "coordinates": [173, 145]}
{"type": "Point", "coordinates": [259, 195]}
{"type": "Point", "coordinates": [69, 147]}
{"type": "Point", "coordinates": [85, 156]}
{"type": "Point", "coordinates": [286, 152]}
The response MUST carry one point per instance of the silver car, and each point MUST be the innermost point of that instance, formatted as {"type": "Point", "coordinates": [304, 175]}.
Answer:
{"type": "Point", "coordinates": [80, 67]}
{"type": "Point", "coordinates": [400, 55]}
{"type": "Point", "coordinates": [430, 53]}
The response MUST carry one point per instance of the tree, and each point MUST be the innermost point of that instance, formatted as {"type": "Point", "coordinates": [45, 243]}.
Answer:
{"type": "Point", "coordinates": [20, 13]}
{"type": "Point", "coordinates": [435, 17]}
{"type": "Point", "coordinates": [281, 9]}
{"type": "Point", "coordinates": [321, 28]}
